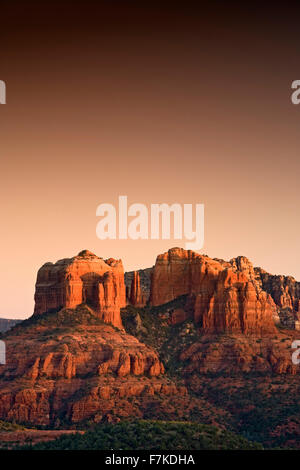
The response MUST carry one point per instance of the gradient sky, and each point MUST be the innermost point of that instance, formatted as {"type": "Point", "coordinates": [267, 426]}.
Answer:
{"type": "Point", "coordinates": [160, 105]}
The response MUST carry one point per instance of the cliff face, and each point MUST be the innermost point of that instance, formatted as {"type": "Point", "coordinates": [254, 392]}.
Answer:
{"type": "Point", "coordinates": [138, 286]}
{"type": "Point", "coordinates": [84, 278]}
{"type": "Point", "coordinates": [137, 297]}
{"type": "Point", "coordinates": [235, 306]}
{"type": "Point", "coordinates": [230, 296]}
{"type": "Point", "coordinates": [225, 295]}
{"type": "Point", "coordinates": [69, 365]}
{"type": "Point", "coordinates": [285, 291]}
{"type": "Point", "coordinates": [179, 272]}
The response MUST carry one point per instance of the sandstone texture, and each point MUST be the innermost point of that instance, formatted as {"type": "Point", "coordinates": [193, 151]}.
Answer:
{"type": "Point", "coordinates": [208, 323]}
{"type": "Point", "coordinates": [225, 295]}
{"type": "Point", "coordinates": [137, 297]}
{"type": "Point", "coordinates": [138, 286]}
{"type": "Point", "coordinates": [232, 354]}
{"type": "Point", "coordinates": [85, 278]}
{"type": "Point", "coordinates": [76, 372]}
{"type": "Point", "coordinates": [285, 291]}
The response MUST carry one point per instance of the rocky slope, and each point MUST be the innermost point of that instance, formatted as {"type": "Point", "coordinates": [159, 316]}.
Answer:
{"type": "Point", "coordinates": [185, 348]}
{"type": "Point", "coordinates": [248, 383]}
{"type": "Point", "coordinates": [69, 366]}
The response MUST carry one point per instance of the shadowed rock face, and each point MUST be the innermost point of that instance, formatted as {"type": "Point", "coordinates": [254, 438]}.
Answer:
{"type": "Point", "coordinates": [225, 295]}
{"type": "Point", "coordinates": [285, 291]}
{"type": "Point", "coordinates": [85, 278]}
{"type": "Point", "coordinates": [138, 286]}
{"type": "Point", "coordinates": [137, 297]}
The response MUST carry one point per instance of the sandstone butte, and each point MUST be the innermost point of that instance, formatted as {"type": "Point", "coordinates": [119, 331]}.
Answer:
{"type": "Point", "coordinates": [88, 371]}
{"type": "Point", "coordinates": [85, 278]}
{"type": "Point", "coordinates": [79, 370]}
{"type": "Point", "coordinates": [228, 296]}
{"type": "Point", "coordinates": [225, 296]}
{"type": "Point", "coordinates": [178, 272]}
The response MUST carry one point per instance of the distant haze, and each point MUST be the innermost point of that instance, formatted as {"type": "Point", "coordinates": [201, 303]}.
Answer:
{"type": "Point", "coordinates": [161, 106]}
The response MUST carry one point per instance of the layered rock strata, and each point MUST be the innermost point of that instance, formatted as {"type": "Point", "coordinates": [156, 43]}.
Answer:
{"type": "Point", "coordinates": [85, 278]}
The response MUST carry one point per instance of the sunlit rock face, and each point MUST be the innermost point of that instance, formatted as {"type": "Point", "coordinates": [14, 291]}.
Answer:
{"type": "Point", "coordinates": [225, 295]}
{"type": "Point", "coordinates": [85, 278]}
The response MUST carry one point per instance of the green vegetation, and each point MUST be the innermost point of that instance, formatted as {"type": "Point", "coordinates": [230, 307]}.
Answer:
{"type": "Point", "coordinates": [10, 427]}
{"type": "Point", "coordinates": [151, 326]}
{"type": "Point", "coordinates": [257, 403]}
{"type": "Point", "coordinates": [150, 435]}
{"type": "Point", "coordinates": [64, 318]}
{"type": "Point", "coordinates": [251, 409]}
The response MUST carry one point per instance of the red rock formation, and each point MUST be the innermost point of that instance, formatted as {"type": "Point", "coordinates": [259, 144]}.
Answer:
{"type": "Point", "coordinates": [226, 295]}
{"type": "Point", "coordinates": [137, 297]}
{"type": "Point", "coordinates": [71, 365]}
{"type": "Point", "coordinates": [239, 353]}
{"type": "Point", "coordinates": [180, 272]}
{"type": "Point", "coordinates": [82, 279]}
{"type": "Point", "coordinates": [236, 305]}
{"type": "Point", "coordinates": [285, 291]}
{"type": "Point", "coordinates": [100, 364]}
{"type": "Point", "coordinates": [138, 286]}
